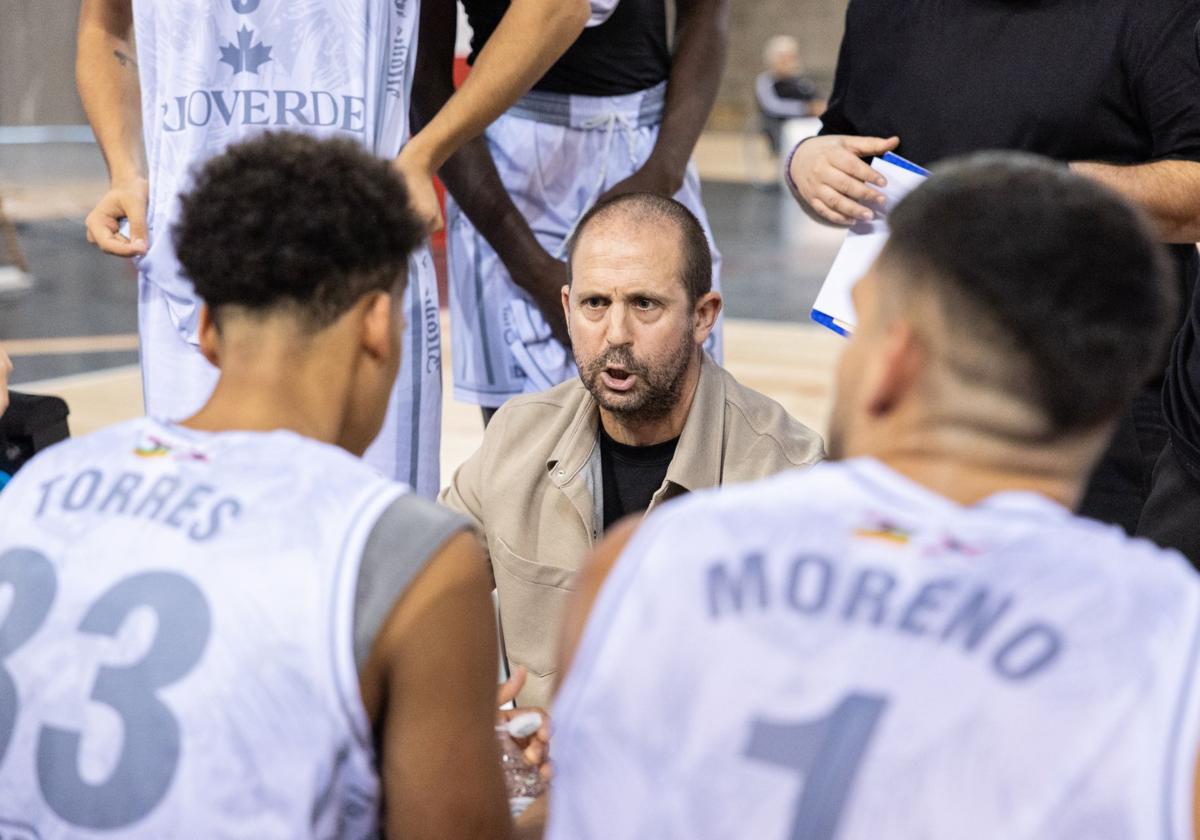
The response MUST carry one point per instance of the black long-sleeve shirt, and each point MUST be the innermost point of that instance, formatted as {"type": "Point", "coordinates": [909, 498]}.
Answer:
{"type": "Point", "coordinates": [1113, 81]}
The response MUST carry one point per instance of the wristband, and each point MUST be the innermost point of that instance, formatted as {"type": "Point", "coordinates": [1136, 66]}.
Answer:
{"type": "Point", "coordinates": [787, 170]}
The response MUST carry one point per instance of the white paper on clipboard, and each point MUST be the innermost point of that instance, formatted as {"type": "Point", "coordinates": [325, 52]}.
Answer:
{"type": "Point", "coordinates": [833, 307]}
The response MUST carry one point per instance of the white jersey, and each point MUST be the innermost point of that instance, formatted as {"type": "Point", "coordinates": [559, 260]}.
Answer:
{"type": "Point", "coordinates": [217, 71]}
{"type": "Point", "coordinates": [176, 661]}
{"type": "Point", "coordinates": [843, 654]}
{"type": "Point", "coordinates": [214, 72]}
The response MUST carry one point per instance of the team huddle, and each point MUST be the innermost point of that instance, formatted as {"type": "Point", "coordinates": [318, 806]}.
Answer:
{"type": "Point", "coordinates": [245, 616]}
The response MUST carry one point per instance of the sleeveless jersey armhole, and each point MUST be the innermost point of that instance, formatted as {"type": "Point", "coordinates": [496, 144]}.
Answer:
{"type": "Point", "coordinates": [403, 541]}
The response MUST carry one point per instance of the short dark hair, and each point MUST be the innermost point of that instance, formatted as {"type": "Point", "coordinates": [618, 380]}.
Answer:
{"type": "Point", "coordinates": [1060, 278]}
{"type": "Point", "coordinates": [646, 207]}
{"type": "Point", "coordinates": [287, 220]}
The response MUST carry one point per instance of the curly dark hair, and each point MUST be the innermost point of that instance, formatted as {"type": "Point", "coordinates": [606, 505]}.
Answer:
{"type": "Point", "coordinates": [287, 220]}
{"type": "Point", "coordinates": [1059, 277]}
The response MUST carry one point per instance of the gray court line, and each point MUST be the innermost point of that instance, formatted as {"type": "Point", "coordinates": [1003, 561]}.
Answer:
{"type": "Point", "coordinates": [23, 135]}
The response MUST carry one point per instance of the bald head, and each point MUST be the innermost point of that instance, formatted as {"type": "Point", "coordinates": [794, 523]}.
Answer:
{"type": "Point", "coordinates": [636, 214]}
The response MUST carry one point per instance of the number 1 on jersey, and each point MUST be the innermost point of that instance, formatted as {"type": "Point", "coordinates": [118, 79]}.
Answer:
{"type": "Point", "coordinates": [826, 753]}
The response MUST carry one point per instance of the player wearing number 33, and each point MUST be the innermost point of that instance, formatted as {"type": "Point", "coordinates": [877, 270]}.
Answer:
{"type": "Point", "coordinates": [169, 83]}
{"type": "Point", "coordinates": [917, 639]}
{"type": "Point", "coordinates": [209, 628]}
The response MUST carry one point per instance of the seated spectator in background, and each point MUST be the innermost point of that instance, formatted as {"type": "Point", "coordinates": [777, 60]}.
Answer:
{"type": "Point", "coordinates": [782, 91]}
{"type": "Point", "coordinates": [28, 424]}
{"type": "Point", "coordinates": [275, 639]}
{"type": "Point", "coordinates": [918, 640]}
{"type": "Point", "coordinates": [650, 417]}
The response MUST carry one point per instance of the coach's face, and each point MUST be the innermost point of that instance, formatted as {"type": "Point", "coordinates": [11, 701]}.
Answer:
{"type": "Point", "coordinates": [634, 331]}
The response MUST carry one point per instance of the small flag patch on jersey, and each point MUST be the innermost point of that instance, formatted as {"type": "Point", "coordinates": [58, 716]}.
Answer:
{"type": "Point", "coordinates": [154, 447]}
{"type": "Point", "coordinates": [151, 447]}
{"type": "Point", "coordinates": [884, 530]}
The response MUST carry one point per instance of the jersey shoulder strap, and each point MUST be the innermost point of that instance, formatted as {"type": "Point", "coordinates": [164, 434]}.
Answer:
{"type": "Point", "coordinates": [407, 535]}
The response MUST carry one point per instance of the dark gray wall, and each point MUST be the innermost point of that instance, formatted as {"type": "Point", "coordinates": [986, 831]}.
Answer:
{"type": "Point", "coordinates": [37, 62]}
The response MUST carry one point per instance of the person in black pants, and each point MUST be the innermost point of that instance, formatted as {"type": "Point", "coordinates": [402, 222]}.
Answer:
{"type": "Point", "coordinates": [1171, 516]}
{"type": "Point", "coordinates": [1110, 88]}
{"type": "Point", "coordinates": [28, 424]}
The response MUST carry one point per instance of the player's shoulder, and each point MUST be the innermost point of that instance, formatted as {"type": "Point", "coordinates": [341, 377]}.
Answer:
{"type": "Point", "coordinates": [814, 490]}
{"type": "Point", "coordinates": [110, 442]}
{"type": "Point", "coordinates": [1128, 562]}
{"type": "Point", "coordinates": [795, 501]}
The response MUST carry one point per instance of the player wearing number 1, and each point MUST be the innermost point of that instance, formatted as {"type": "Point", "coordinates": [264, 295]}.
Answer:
{"type": "Point", "coordinates": [917, 639]}
{"type": "Point", "coordinates": [231, 627]}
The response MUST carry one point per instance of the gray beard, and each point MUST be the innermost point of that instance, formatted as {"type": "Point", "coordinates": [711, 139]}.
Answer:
{"type": "Point", "coordinates": [661, 388]}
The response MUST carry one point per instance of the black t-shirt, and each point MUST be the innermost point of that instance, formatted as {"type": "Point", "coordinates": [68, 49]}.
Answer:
{"type": "Point", "coordinates": [631, 475]}
{"type": "Point", "coordinates": [1115, 81]}
{"type": "Point", "coordinates": [625, 54]}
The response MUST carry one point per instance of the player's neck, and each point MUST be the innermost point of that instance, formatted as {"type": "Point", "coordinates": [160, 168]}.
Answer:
{"type": "Point", "coordinates": [278, 385]}
{"type": "Point", "coordinates": [968, 483]}
{"type": "Point", "coordinates": [967, 469]}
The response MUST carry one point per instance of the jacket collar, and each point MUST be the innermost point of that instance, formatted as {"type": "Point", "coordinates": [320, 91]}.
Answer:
{"type": "Point", "coordinates": [697, 461]}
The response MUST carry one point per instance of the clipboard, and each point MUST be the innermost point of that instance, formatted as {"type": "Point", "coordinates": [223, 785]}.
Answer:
{"type": "Point", "coordinates": [834, 308]}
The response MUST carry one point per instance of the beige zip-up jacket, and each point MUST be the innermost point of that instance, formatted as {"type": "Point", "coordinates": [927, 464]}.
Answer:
{"type": "Point", "coordinates": [533, 490]}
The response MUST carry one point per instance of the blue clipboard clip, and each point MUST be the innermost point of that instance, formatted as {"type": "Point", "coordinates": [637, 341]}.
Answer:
{"type": "Point", "coordinates": [905, 163]}
{"type": "Point", "coordinates": [825, 320]}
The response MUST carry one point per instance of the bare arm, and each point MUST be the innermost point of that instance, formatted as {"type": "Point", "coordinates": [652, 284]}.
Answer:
{"type": "Point", "coordinates": [430, 688]}
{"type": "Point", "coordinates": [1168, 191]}
{"type": "Point", "coordinates": [701, 37]}
{"type": "Point", "coordinates": [530, 38]}
{"type": "Point", "coordinates": [107, 76]}
{"type": "Point", "coordinates": [471, 177]}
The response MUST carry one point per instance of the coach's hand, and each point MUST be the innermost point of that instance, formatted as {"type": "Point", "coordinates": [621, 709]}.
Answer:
{"type": "Point", "coordinates": [124, 200]}
{"type": "Point", "coordinates": [537, 746]}
{"type": "Point", "coordinates": [829, 176]}
{"type": "Point", "coordinates": [422, 197]}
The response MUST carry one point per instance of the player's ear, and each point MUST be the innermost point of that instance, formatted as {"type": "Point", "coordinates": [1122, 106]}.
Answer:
{"type": "Point", "coordinates": [566, 302]}
{"type": "Point", "coordinates": [210, 336]}
{"type": "Point", "coordinates": [708, 307]}
{"type": "Point", "coordinates": [894, 369]}
{"type": "Point", "coordinates": [382, 323]}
